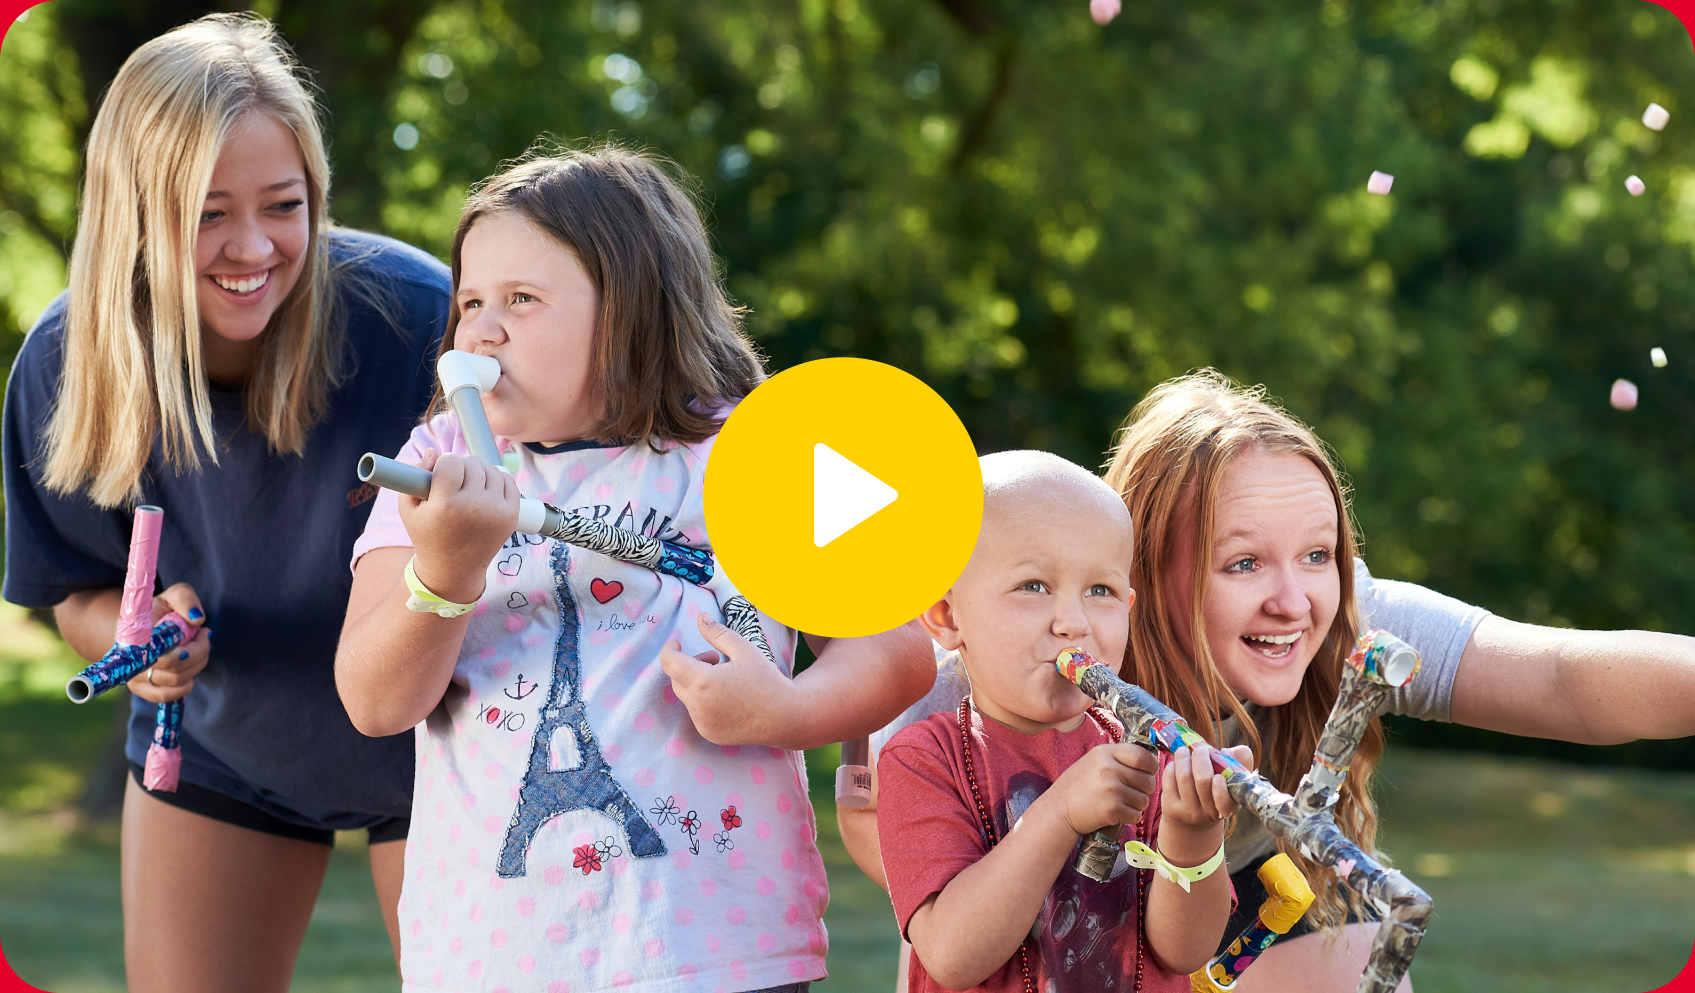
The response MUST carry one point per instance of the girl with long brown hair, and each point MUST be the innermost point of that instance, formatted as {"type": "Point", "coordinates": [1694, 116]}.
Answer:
{"type": "Point", "coordinates": [587, 789]}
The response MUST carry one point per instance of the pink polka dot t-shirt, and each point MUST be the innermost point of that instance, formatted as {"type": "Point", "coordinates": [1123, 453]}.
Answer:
{"type": "Point", "coordinates": [571, 831]}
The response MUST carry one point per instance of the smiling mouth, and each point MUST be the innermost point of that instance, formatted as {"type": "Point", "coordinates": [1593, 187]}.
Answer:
{"type": "Point", "coordinates": [1272, 646]}
{"type": "Point", "coordinates": [245, 286]}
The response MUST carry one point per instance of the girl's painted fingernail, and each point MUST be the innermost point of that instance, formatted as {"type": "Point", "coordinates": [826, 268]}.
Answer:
{"type": "Point", "coordinates": [195, 613]}
{"type": "Point", "coordinates": [182, 655]}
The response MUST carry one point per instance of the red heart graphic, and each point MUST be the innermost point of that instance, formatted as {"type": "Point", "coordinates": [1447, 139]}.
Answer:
{"type": "Point", "coordinates": [605, 591]}
{"type": "Point", "coordinates": [493, 715]}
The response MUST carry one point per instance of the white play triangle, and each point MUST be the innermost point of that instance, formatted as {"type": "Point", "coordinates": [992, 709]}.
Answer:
{"type": "Point", "coordinates": [843, 495]}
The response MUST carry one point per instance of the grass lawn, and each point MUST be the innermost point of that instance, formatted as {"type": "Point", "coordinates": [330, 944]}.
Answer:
{"type": "Point", "coordinates": [1547, 877]}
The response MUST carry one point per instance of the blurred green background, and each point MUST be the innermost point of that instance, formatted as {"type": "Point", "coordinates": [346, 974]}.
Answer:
{"type": "Point", "coordinates": [1042, 218]}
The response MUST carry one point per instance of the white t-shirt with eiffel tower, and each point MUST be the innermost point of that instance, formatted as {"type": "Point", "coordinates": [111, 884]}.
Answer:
{"type": "Point", "coordinates": [571, 831]}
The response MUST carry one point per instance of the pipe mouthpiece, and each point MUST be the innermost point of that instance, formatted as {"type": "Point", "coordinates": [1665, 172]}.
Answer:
{"type": "Point", "coordinates": [367, 467]}
{"type": "Point", "coordinates": [1384, 658]}
{"type": "Point", "coordinates": [1073, 664]}
{"type": "Point", "coordinates": [461, 369]}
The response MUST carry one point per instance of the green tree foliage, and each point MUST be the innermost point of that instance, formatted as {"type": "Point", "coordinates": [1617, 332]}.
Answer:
{"type": "Point", "coordinates": [1043, 218]}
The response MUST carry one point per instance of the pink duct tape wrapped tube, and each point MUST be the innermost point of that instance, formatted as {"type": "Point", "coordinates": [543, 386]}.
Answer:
{"type": "Point", "coordinates": [135, 616]}
{"type": "Point", "coordinates": [164, 769]}
{"type": "Point", "coordinates": [138, 643]}
{"type": "Point", "coordinates": [164, 756]}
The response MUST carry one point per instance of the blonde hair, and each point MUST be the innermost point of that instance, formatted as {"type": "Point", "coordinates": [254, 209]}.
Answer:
{"type": "Point", "coordinates": [133, 370]}
{"type": "Point", "coordinates": [669, 345]}
{"type": "Point", "coordinates": [1174, 450]}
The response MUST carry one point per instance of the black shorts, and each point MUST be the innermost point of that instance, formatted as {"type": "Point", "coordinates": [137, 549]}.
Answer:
{"type": "Point", "coordinates": [210, 803]}
{"type": "Point", "coordinates": [1250, 893]}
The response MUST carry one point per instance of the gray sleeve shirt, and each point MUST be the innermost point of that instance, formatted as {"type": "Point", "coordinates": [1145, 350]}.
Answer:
{"type": "Point", "coordinates": [1437, 626]}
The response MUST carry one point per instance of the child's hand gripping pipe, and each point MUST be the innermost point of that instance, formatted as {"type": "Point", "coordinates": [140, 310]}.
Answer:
{"type": "Point", "coordinates": [1379, 663]}
{"type": "Point", "coordinates": [1287, 897]}
{"type": "Point", "coordinates": [137, 647]}
{"type": "Point", "coordinates": [463, 378]}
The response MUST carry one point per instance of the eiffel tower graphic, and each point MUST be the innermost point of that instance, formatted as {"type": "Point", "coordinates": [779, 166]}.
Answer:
{"type": "Point", "coordinates": [547, 792]}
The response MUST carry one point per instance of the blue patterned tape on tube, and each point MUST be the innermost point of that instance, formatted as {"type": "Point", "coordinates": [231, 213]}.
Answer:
{"type": "Point", "coordinates": [691, 565]}
{"type": "Point", "coordinates": [121, 663]}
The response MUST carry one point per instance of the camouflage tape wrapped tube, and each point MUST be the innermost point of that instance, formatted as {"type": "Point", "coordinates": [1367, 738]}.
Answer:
{"type": "Point", "coordinates": [1379, 663]}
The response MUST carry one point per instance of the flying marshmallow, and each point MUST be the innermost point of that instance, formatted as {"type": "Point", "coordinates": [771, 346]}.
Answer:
{"type": "Point", "coordinates": [1656, 117]}
{"type": "Point", "coordinates": [1624, 394]}
{"type": "Point", "coordinates": [1658, 357]}
{"type": "Point", "coordinates": [1379, 183]}
{"type": "Point", "coordinates": [1635, 186]}
{"type": "Point", "coordinates": [1103, 11]}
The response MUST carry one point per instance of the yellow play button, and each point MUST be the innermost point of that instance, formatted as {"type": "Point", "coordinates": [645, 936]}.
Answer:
{"type": "Point", "coordinates": [843, 497]}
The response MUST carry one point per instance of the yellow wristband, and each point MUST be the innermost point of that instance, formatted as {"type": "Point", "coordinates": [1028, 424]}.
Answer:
{"type": "Point", "coordinates": [425, 602]}
{"type": "Point", "coordinates": [1141, 856]}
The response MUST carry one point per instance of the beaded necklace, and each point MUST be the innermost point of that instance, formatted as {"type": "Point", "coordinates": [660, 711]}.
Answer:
{"type": "Point", "coordinates": [989, 831]}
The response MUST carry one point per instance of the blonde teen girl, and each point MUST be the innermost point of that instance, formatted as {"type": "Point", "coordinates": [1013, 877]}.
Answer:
{"type": "Point", "coordinates": [226, 354]}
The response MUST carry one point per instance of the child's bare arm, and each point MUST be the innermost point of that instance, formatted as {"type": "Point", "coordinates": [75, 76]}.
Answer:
{"type": "Point", "coordinates": [394, 664]}
{"type": "Point", "coordinates": [969, 930]}
{"type": "Point", "coordinates": [1184, 929]}
{"type": "Point", "coordinates": [857, 685]}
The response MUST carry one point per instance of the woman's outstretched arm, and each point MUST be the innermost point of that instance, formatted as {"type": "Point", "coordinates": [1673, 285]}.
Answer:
{"type": "Point", "coordinates": [1591, 687]}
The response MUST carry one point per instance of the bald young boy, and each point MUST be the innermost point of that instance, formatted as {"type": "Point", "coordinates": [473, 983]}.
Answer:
{"type": "Point", "coordinates": [1011, 914]}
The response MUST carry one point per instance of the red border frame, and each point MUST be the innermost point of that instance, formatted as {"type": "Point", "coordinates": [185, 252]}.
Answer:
{"type": "Point", "coordinates": [1683, 982]}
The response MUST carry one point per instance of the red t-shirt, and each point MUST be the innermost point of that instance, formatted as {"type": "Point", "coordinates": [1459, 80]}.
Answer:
{"type": "Point", "coordinates": [928, 828]}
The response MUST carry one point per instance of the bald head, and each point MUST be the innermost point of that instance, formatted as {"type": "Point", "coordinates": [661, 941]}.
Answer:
{"type": "Point", "coordinates": [1023, 483]}
{"type": "Point", "coordinates": [1050, 572]}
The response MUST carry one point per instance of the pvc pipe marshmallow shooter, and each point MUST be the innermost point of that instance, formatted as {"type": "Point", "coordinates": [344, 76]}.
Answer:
{"type": "Point", "coordinates": [137, 646]}
{"type": "Point", "coordinates": [464, 378]}
{"type": "Point", "coordinates": [1380, 662]}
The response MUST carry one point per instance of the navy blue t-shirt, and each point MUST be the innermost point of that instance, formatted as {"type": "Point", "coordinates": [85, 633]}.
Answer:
{"type": "Point", "coordinates": [264, 538]}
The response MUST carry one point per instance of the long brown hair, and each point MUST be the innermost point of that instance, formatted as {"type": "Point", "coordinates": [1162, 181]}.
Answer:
{"type": "Point", "coordinates": [133, 371]}
{"type": "Point", "coordinates": [669, 344]}
{"type": "Point", "coordinates": [1174, 450]}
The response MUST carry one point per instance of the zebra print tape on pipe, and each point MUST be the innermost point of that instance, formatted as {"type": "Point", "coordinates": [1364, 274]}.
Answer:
{"type": "Point", "coordinates": [692, 565]}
